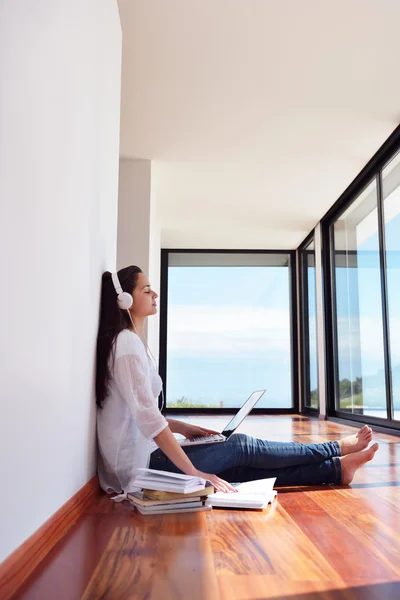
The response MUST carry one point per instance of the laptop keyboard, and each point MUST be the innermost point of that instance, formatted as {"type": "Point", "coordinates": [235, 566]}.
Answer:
{"type": "Point", "coordinates": [206, 438]}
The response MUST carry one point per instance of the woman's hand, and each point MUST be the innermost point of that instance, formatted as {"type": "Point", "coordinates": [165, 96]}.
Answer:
{"type": "Point", "coordinates": [220, 484]}
{"type": "Point", "coordinates": [168, 444]}
{"type": "Point", "coordinates": [191, 431]}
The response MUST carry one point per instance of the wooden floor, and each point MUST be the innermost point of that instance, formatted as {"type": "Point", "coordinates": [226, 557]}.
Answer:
{"type": "Point", "coordinates": [314, 543]}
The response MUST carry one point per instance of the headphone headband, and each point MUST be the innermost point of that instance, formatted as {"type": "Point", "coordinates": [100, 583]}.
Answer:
{"type": "Point", "coordinates": [117, 285]}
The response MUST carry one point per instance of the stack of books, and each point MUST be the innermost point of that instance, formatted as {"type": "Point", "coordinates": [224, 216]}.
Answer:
{"type": "Point", "coordinates": [165, 492]}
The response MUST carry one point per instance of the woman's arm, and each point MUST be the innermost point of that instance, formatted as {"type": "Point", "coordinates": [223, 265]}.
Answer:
{"type": "Point", "coordinates": [188, 430]}
{"type": "Point", "coordinates": [174, 425]}
{"type": "Point", "coordinates": [168, 444]}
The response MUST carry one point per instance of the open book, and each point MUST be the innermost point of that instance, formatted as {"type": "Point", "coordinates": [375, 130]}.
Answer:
{"type": "Point", "coordinates": [252, 494]}
{"type": "Point", "coordinates": [166, 481]}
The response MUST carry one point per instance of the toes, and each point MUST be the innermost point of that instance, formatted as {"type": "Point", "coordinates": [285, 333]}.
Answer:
{"type": "Point", "coordinates": [365, 432]}
{"type": "Point", "coordinates": [372, 449]}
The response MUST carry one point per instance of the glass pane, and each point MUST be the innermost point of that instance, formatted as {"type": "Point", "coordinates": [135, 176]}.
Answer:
{"type": "Point", "coordinates": [360, 360]}
{"type": "Point", "coordinates": [310, 375]}
{"type": "Point", "coordinates": [228, 330]}
{"type": "Point", "coordinates": [391, 195]}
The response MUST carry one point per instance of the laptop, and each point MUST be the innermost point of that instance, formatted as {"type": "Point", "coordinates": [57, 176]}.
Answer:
{"type": "Point", "coordinates": [231, 427]}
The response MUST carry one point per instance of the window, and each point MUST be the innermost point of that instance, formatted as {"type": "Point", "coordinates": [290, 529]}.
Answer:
{"type": "Point", "coordinates": [361, 268]}
{"type": "Point", "coordinates": [360, 363]}
{"type": "Point", "coordinates": [391, 212]}
{"type": "Point", "coordinates": [229, 327]}
{"type": "Point", "coordinates": [309, 328]}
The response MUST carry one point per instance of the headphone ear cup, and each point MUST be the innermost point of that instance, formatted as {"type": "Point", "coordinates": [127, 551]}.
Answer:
{"type": "Point", "coordinates": [125, 300]}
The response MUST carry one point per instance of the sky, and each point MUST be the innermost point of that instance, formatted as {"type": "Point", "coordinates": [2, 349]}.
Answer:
{"type": "Point", "coordinates": [229, 334]}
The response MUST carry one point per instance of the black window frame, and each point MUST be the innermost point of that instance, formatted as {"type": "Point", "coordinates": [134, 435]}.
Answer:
{"type": "Point", "coordinates": [304, 326]}
{"type": "Point", "coordinates": [372, 171]}
{"type": "Point", "coordinates": [164, 331]}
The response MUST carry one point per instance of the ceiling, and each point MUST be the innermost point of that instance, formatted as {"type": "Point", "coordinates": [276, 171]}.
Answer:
{"type": "Point", "coordinates": [257, 114]}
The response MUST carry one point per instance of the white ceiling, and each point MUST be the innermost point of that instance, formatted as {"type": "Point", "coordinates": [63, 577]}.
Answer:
{"type": "Point", "coordinates": [256, 113]}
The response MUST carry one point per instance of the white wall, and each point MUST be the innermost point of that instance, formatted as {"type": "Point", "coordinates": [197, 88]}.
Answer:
{"type": "Point", "coordinates": [153, 332]}
{"type": "Point", "coordinates": [59, 145]}
{"type": "Point", "coordinates": [134, 213]}
{"type": "Point", "coordinates": [139, 235]}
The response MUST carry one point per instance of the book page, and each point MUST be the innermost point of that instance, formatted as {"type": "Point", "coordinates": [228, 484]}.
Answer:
{"type": "Point", "coordinates": [255, 491]}
{"type": "Point", "coordinates": [257, 486]}
{"type": "Point", "coordinates": [143, 473]}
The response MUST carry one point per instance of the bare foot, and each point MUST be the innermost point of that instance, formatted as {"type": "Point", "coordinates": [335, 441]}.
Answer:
{"type": "Point", "coordinates": [354, 461]}
{"type": "Point", "coordinates": [357, 442]}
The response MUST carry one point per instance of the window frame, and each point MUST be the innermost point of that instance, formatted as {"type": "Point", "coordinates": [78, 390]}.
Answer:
{"type": "Point", "coordinates": [165, 252]}
{"type": "Point", "coordinates": [372, 171]}
{"type": "Point", "coordinates": [304, 327]}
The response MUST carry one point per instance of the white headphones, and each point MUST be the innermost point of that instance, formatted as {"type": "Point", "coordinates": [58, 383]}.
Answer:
{"type": "Point", "coordinates": [124, 299]}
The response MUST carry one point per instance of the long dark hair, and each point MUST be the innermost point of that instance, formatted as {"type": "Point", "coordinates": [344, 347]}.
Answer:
{"type": "Point", "coordinates": [113, 320]}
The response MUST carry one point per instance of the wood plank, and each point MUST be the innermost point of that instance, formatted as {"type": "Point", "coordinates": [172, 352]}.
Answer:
{"type": "Point", "coordinates": [260, 587]}
{"type": "Point", "coordinates": [69, 567]}
{"type": "Point", "coordinates": [378, 543]}
{"type": "Point", "coordinates": [336, 538]}
{"type": "Point", "coordinates": [21, 563]}
{"type": "Point", "coordinates": [263, 587]}
{"type": "Point", "coordinates": [235, 542]}
{"type": "Point", "coordinates": [249, 543]}
{"type": "Point", "coordinates": [185, 566]}
{"type": "Point", "coordinates": [127, 566]}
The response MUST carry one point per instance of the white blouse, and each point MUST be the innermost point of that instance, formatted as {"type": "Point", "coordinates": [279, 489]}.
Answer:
{"type": "Point", "coordinates": [130, 417]}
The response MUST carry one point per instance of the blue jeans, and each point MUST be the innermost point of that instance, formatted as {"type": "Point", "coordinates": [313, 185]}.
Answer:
{"type": "Point", "coordinates": [244, 458]}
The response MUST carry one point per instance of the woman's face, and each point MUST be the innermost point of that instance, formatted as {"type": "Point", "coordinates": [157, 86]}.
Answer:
{"type": "Point", "coordinates": [144, 298]}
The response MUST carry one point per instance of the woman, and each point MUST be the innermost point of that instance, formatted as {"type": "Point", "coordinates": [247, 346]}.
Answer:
{"type": "Point", "coordinates": [133, 433]}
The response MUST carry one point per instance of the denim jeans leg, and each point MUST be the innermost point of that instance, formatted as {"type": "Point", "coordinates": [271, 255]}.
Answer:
{"type": "Point", "coordinates": [264, 454]}
{"type": "Point", "coordinates": [329, 472]}
{"type": "Point", "coordinates": [253, 455]}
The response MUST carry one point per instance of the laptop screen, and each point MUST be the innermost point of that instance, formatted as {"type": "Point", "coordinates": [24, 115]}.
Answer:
{"type": "Point", "coordinates": [242, 413]}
